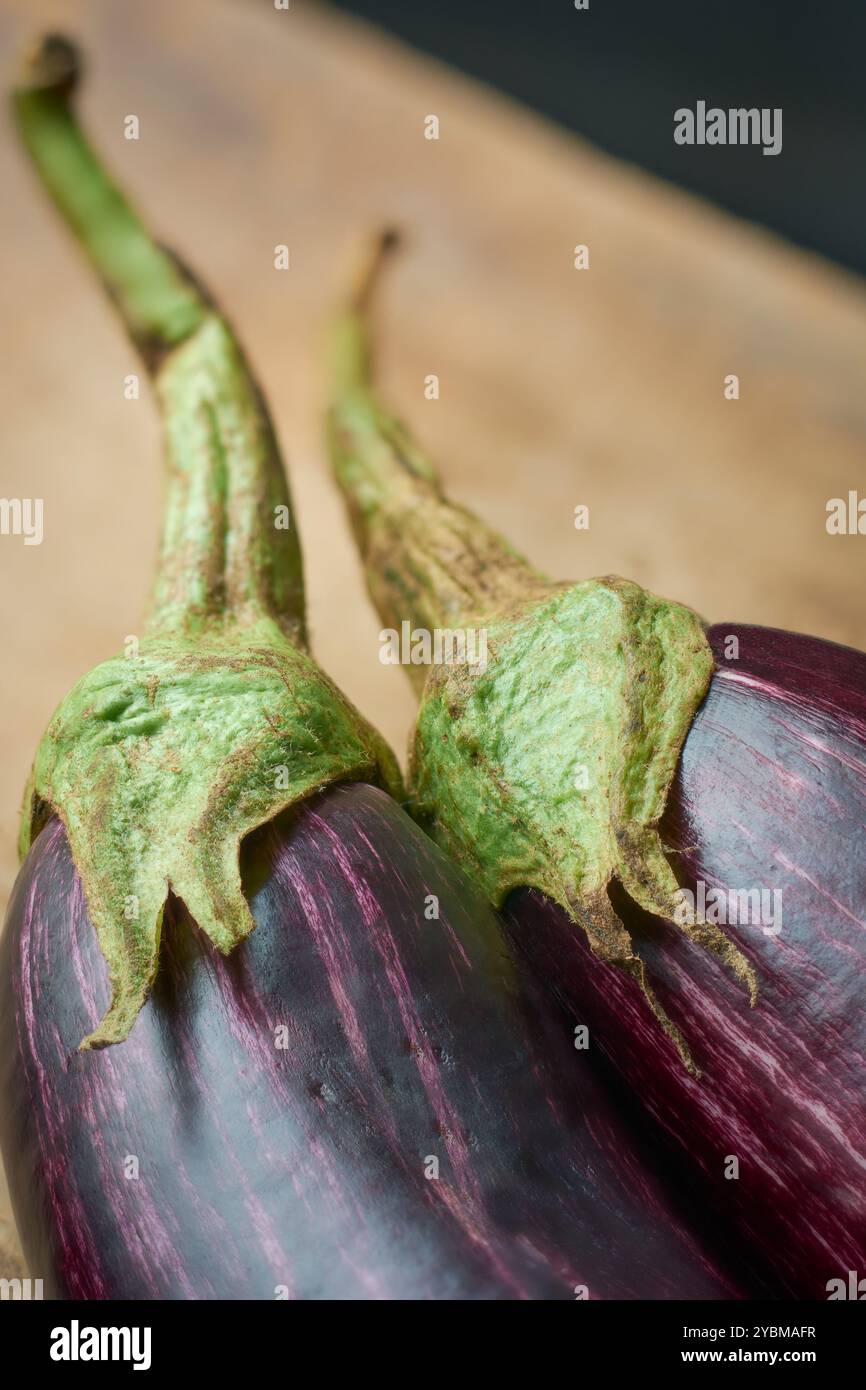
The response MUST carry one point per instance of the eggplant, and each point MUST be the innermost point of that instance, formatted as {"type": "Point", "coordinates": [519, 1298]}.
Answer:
{"type": "Point", "coordinates": [354, 1105]}
{"type": "Point", "coordinates": [215, 718]}
{"type": "Point", "coordinates": [771, 789]}
{"type": "Point", "coordinates": [606, 767]}
{"type": "Point", "coordinates": [259, 1039]}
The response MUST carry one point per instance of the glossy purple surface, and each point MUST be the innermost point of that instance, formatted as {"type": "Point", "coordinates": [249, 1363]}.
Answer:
{"type": "Point", "coordinates": [771, 792]}
{"type": "Point", "coordinates": [303, 1167]}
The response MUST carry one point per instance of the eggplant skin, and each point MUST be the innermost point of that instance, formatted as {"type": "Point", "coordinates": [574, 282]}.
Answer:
{"type": "Point", "coordinates": [300, 1171]}
{"type": "Point", "coordinates": [771, 791]}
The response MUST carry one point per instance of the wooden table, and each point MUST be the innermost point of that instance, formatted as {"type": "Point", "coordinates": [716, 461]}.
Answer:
{"type": "Point", "coordinates": [559, 387]}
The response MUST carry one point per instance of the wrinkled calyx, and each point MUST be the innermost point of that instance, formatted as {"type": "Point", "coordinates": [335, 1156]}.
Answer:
{"type": "Point", "coordinates": [160, 761]}
{"type": "Point", "coordinates": [550, 765]}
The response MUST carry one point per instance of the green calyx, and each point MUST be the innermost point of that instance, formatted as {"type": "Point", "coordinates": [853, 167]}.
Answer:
{"type": "Point", "coordinates": [547, 764]}
{"type": "Point", "coordinates": [160, 761]}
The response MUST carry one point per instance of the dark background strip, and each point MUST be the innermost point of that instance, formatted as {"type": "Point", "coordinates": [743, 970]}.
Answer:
{"type": "Point", "coordinates": [615, 73]}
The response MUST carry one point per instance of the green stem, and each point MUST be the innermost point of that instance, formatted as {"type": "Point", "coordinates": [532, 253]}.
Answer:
{"type": "Point", "coordinates": [549, 764]}
{"type": "Point", "coordinates": [160, 761]}
{"type": "Point", "coordinates": [426, 559]}
{"type": "Point", "coordinates": [230, 552]}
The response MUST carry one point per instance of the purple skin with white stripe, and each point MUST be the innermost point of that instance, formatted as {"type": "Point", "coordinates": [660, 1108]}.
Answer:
{"type": "Point", "coordinates": [770, 792]}
{"type": "Point", "coordinates": [304, 1167]}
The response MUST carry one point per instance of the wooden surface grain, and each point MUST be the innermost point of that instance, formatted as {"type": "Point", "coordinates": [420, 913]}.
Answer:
{"type": "Point", "coordinates": [558, 387]}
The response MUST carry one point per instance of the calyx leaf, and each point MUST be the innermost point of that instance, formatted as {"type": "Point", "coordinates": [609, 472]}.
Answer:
{"type": "Point", "coordinates": [159, 764]}
{"type": "Point", "coordinates": [551, 767]}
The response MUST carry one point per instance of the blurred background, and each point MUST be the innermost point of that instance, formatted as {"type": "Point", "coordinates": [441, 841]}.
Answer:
{"type": "Point", "coordinates": [558, 387]}
{"type": "Point", "coordinates": [615, 72]}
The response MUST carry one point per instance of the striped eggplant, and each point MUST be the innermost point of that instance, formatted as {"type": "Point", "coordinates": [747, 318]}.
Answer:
{"type": "Point", "coordinates": [355, 1104]}
{"type": "Point", "coordinates": [355, 1099]}
{"type": "Point", "coordinates": [605, 766]}
{"type": "Point", "coordinates": [770, 790]}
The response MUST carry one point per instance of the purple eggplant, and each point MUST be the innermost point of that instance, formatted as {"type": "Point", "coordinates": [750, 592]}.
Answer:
{"type": "Point", "coordinates": [771, 789]}
{"type": "Point", "coordinates": [606, 766]}
{"type": "Point", "coordinates": [354, 1105]}
{"type": "Point", "coordinates": [258, 1038]}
